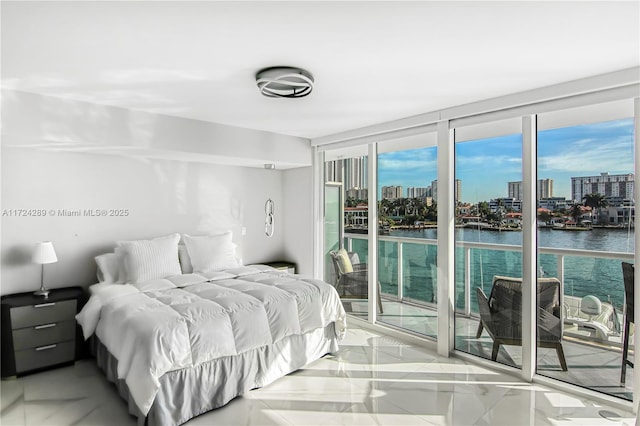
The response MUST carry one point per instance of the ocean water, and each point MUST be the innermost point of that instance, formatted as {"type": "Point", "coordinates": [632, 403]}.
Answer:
{"type": "Point", "coordinates": [582, 275]}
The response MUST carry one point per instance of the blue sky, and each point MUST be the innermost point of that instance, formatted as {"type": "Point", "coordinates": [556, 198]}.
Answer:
{"type": "Point", "coordinates": [487, 165]}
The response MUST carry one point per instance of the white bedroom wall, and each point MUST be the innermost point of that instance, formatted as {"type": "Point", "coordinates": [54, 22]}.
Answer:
{"type": "Point", "coordinates": [74, 156]}
{"type": "Point", "coordinates": [298, 216]}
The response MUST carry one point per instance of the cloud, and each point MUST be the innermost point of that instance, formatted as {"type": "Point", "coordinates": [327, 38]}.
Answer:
{"type": "Point", "coordinates": [486, 166]}
{"type": "Point", "coordinates": [591, 156]}
{"type": "Point", "coordinates": [413, 159]}
{"type": "Point", "coordinates": [465, 161]}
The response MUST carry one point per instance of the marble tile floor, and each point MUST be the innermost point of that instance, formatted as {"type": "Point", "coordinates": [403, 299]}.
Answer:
{"type": "Point", "coordinates": [373, 380]}
{"type": "Point", "coordinates": [591, 366]}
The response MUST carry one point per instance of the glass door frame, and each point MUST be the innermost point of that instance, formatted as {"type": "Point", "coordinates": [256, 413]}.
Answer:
{"type": "Point", "coordinates": [525, 105]}
{"type": "Point", "coordinates": [340, 225]}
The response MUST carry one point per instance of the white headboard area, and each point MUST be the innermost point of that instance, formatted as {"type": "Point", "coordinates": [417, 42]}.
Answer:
{"type": "Point", "coordinates": [55, 187]}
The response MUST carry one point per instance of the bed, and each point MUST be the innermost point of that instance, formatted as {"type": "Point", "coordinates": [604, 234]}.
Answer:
{"type": "Point", "coordinates": [180, 341]}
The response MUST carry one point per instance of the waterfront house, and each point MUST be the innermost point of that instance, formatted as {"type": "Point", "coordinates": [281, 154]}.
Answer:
{"type": "Point", "coordinates": [513, 219]}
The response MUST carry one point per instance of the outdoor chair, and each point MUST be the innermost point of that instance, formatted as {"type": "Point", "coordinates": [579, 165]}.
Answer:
{"type": "Point", "coordinates": [352, 279]}
{"type": "Point", "coordinates": [501, 314]}
{"type": "Point", "coordinates": [628, 274]}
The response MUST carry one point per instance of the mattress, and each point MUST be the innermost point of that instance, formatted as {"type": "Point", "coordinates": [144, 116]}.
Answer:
{"type": "Point", "coordinates": [190, 322]}
{"type": "Point", "coordinates": [187, 393]}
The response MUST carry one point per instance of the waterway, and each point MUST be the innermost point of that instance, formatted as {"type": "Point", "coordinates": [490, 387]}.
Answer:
{"type": "Point", "coordinates": [582, 275]}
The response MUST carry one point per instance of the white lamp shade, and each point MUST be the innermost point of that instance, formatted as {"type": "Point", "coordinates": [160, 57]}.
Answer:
{"type": "Point", "coordinates": [44, 253]}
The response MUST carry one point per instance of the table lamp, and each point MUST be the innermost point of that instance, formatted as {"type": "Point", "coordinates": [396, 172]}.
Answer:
{"type": "Point", "coordinates": [44, 253]}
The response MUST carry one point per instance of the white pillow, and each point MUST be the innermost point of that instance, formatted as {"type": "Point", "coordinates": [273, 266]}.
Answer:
{"type": "Point", "coordinates": [151, 259]}
{"type": "Point", "coordinates": [111, 268]}
{"type": "Point", "coordinates": [211, 252]}
{"type": "Point", "coordinates": [185, 261]}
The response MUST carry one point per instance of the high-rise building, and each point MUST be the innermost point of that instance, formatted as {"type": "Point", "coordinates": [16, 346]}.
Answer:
{"type": "Point", "coordinates": [355, 172]}
{"type": "Point", "coordinates": [545, 189]}
{"type": "Point", "coordinates": [605, 184]}
{"type": "Point", "coordinates": [417, 192]}
{"type": "Point", "coordinates": [515, 190]}
{"type": "Point", "coordinates": [357, 193]}
{"type": "Point", "coordinates": [333, 171]}
{"type": "Point", "coordinates": [391, 192]}
{"type": "Point", "coordinates": [457, 191]}
{"type": "Point", "coordinates": [352, 172]}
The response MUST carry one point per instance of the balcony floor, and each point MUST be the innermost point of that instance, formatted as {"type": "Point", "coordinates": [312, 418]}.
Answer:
{"type": "Point", "coordinates": [590, 365]}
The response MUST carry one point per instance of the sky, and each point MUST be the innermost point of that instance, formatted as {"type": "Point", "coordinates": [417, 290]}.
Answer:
{"type": "Point", "coordinates": [485, 166]}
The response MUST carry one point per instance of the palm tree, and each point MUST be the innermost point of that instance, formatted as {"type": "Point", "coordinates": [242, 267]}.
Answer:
{"type": "Point", "coordinates": [575, 212]}
{"type": "Point", "coordinates": [595, 201]}
{"type": "Point", "coordinates": [544, 216]}
{"type": "Point", "coordinates": [431, 212]}
{"type": "Point", "coordinates": [399, 206]}
{"type": "Point", "coordinates": [385, 206]}
{"type": "Point", "coordinates": [483, 209]}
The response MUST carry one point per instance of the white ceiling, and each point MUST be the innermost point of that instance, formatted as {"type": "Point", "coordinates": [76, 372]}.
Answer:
{"type": "Point", "coordinates": [372, 61]}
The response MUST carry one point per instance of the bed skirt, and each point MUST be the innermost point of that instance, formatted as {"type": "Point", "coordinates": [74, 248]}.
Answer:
{"type": "Point", "coordinates": [189, 392]}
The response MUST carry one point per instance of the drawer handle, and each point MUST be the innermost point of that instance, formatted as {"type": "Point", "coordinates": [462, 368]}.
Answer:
{"type": "Point", "coordinates": [44, 305]}
{"type": "Point", "coordinates": [40, 327]}
{"type": "Point", "coordinates": [44, 348]}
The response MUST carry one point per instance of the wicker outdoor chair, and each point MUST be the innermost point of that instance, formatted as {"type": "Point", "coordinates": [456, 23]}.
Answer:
{"type": "Point", "coordinates": [628, 275]}
{"type": "Point", "coordinates": [352, 279]}
{"type": "Point", "coordinates": [501, 314]}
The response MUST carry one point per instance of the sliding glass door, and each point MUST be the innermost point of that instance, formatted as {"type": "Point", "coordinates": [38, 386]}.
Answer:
{"type": "Point", "coordinates": [347, 221]}
{"type": "Point", "coordinates": [539, 236]}
{"type": "Point", "coordinates": [488, 237]}
{"type": "Point", "coordinates": [407, 245]}
{"type": "Point", "coordinates": [586, 226]}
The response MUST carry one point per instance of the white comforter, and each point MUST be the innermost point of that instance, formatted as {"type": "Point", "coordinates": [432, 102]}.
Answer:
{"type": "Point", "coordinates": [182, 321]}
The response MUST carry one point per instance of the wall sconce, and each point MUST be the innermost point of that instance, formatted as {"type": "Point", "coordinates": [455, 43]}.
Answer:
{"type": "Point", "coordinates": [44, 253]}
{"type": "Point", "coordinates": [268, 220]}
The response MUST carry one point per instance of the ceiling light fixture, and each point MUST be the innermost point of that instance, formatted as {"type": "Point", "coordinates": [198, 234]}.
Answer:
{"type": "Point", "coordinates": [284, 82]}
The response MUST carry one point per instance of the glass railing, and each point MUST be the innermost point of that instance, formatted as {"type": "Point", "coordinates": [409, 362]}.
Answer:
{"type": "Point", "coordinates": [408, 272]}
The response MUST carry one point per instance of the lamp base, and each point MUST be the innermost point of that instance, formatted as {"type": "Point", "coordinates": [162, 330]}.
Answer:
{"type": "Point", "coordinates": [42, 292]}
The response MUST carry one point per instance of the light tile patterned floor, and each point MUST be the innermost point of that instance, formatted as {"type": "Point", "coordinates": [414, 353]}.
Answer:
{"type": "Point", "coordinates": [590, 365]}
{"type": "Point", "coordinates": [372, 380]}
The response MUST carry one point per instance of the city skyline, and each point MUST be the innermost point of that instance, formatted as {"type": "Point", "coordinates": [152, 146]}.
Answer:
{"type": "Point", "coordinates": [583, 150]}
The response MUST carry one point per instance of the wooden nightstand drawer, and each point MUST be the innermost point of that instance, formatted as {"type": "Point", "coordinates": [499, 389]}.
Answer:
{"type": "Point", "coordinates": [40, 332]}
{"type": "Point", "coordinates": [44, 356]}
{"type": "Point", "coordinates": [42, 313]}
{"type": "Point", "coordinates": [44, 334]}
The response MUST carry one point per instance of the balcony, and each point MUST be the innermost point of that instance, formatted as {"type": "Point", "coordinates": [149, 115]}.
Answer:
{"type": "Point", "coordinates": [592, 343]}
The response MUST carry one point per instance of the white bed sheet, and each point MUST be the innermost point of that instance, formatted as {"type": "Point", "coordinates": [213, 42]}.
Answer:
{"type": "Point", "coordinates": [183, 321]}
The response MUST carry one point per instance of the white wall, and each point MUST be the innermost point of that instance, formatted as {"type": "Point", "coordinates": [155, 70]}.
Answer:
{"type": "Point", "coordinates": [298, 218]}
{"type": "Point", "coordinates": [64, 155]}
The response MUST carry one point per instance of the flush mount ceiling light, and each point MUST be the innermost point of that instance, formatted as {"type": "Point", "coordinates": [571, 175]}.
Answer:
{"type": "Point", "coordinates": [284, 82]}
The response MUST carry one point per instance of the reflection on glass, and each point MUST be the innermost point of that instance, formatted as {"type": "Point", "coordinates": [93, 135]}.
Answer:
{"type": "Point", "coordinates": [586, 216]}
{"type": "Point", "coordinates": [488, 254]}
{"type": "Point", "coordinates": [407, 246]}
{"type": "Point", "coordinates": [332, 227]}
{"type": "Point", "coordinates": [347, 260]}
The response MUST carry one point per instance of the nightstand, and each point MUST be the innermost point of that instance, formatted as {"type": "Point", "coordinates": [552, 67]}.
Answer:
{"type": "Point", "coordinates": [283, 266]}
{"type": "Point", "coordinates": [39, 333]}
